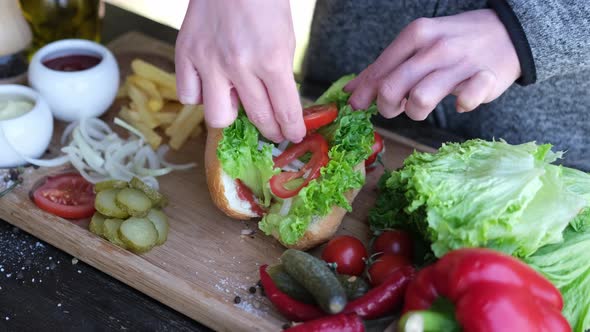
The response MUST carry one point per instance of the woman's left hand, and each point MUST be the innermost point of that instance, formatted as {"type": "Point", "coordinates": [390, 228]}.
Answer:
{"type": "Point", "coordinates": [469, 55]}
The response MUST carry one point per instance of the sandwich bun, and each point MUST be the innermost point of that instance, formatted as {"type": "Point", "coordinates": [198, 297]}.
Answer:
{"type": "Point", "coordinates": [224, 195]}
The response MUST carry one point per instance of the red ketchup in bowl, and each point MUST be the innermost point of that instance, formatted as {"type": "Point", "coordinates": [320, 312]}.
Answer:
{"type": "Point", "coordinates": [75, 62]}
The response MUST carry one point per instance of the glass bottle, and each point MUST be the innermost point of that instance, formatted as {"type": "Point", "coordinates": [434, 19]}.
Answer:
{"type": "Point", "coordinates": [52, 20]}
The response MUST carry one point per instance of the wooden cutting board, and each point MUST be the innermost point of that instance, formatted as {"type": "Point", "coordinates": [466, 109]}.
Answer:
{"type": "Point", "coordinates": [206, 261]}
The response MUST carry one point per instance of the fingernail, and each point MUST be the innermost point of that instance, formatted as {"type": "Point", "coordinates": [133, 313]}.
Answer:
{"type": "Point", "coordinates": [461, 109]}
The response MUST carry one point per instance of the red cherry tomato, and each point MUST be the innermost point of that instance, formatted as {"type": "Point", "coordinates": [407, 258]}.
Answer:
{"type": "Point", "coordinates": [376, 149]}
{"type": "Point", "coordinates": [317, 116]}
{"type": "Point", "coordinates": [395, 243]}
{"type": "Point", "coordinates": [384, 266]}
{"type": "Point", "coordinates": [348, 253]}
{"type": "Point", "coordinates": [68, 196]}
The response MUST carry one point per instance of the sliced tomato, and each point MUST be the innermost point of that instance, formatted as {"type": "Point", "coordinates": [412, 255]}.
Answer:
{"type": "Point", "coordinates": [376, 149]}
{"type": "Point", "coordinates": [317, 116]}
{"type": "Point", "coordinates": [281, 184]}
{"type": "Point", "coordinates": [68, 196]}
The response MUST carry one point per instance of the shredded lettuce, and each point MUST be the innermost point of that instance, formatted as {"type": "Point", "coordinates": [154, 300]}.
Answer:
{"type": "Point", "coordinates": [241, 159]}
{"type": "Point", "coordinates": [350, 138]}
{"type": "Point", "coordinates": [481, 194]}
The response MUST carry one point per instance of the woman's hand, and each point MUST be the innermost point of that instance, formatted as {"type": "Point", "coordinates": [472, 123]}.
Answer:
{"type": "Point", "coordinates": [229, 49]}
{"type": "Point", "coordinates": [469, 55]}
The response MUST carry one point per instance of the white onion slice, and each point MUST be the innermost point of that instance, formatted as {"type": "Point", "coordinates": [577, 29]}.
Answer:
{"type": "Point", "coordinates": [100, 154]}
{"type": "Point", "coordinates": [67, 132]}
{"type": "Point", "coordinates": [283, 145]}
{"type": "Point", "coordinates": [286, 207]}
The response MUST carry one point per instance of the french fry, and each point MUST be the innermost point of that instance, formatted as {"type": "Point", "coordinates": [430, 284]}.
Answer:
{"type": "Point", "coordinates": [182, 117]}
{"type": "Point", "coordinates": [171, 107]}
{"type": "Point", "coordinates": [167, 93]}
{"type": "Point", "coordinates": [139, 100]}
{"type": "Point", "coordinates": [165, 118]}
{"type": "Point", "coordinates": [154, 74]}
{"type": "Point", "coordinates": [150, 135]}
{"type": "Point", "coordinates": [155, 101]}
{"type": "Point", "coordinates": [185, 129]}
{"type": "Point", "coordinates": [122, 91]}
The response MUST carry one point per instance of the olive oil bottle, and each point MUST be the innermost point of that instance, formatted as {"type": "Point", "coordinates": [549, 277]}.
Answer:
{"type": "Point", "coordinates": [52, 20]}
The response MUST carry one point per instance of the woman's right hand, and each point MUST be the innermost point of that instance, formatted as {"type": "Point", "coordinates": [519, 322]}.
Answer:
{"type": "Point", "coordinates": [230, 49]}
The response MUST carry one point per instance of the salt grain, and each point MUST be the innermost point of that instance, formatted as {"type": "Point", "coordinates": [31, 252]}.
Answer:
{"type": "Point", "coordinates": [79, 271]}
{"type": "Point", "coordinates": [59, 304]}
{"type": "Point", "coordinates": [74, 261]}
{"type": "Point", "coordinates": [7, 318]}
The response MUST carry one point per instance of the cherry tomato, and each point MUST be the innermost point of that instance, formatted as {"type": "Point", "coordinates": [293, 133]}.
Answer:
{"type": "Point", "coordinates": [68, 196]}
{"type": "Point", "coordinates": [376, 149]}
{"type": "Point", "coordinates": [314, 143]}
{"type": "Point", "coordinates": [348, 253]}
{"type": "Point", "coordinates": [384, 266]}
{"type": "Point", "coordinates": [317, 116]}
{"type": "Point", "coordinates": [394, 242]}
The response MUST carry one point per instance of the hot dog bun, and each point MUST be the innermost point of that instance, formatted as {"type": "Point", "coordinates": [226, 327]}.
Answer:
{"type": "Point", "coordinates": [224, 195]}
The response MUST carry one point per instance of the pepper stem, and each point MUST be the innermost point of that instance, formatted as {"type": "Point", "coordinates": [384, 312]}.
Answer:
{"type": "Point", "coordinates": [427, 321]}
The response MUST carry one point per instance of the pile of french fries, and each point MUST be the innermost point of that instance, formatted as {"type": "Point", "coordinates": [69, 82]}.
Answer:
{"type": "Point", "coordinates": [154, 105]}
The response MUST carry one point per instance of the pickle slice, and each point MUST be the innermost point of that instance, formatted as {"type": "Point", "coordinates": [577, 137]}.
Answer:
{"type": "Point", "coordinates": [111, 232]}
{"type": "Point", "coordinates": [110, 184]}
{"type": "Point", "coordinates": [160, 221]}
{"type": "Point", "coordinates": [135, 202]}
{"type": "Point", "coordinates": [96, 225]}
{"type": "Point", "coordinates": [156, 197]}
{"type": "Point", "coordinates": [139, 234]}
{"type": "Point", "coordinates": [106, 204]}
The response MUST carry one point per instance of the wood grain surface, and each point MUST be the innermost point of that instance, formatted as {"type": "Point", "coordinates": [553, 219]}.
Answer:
{"type": "Point", "coordinates": [206, 261]}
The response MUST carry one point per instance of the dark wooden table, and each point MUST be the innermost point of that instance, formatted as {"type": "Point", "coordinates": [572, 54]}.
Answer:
{"type": "Point", "coordinates": [45, 289]}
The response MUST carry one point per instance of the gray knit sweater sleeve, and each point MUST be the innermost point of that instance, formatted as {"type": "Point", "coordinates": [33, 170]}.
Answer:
{"type": "Point", "coordinates": [558, 34]}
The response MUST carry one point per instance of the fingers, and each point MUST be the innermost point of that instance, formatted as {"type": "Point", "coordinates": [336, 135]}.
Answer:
{"type": "Point", "coordinates": [255, 100]}
{"type": "Point", "coordinates": [188, 81]}
{"type": "Point", "coordinates": [427, 93]}
{"type": "Point", "coordinates": [476, 90]}
{"type": "Point", "coordinates": [220, 111]}
{"type": "Point", "coordinates": [287, 108]}
{"type": "Point", "coordinates": [397, 85]}
{"type": "Point", "coordinates": [412, 38]}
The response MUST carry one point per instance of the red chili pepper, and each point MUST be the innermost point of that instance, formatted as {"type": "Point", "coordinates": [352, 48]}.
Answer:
{"type": "Point", "coordinates": [288, 307]}
{"type": "Point", "coordinates": [384, 298]}
{"type": "Point", "coordinates": [490, 291]}
{"type": "Point", "coordinates": [335, 323]}
{"type": "Point", "coordinates": [314, 143]}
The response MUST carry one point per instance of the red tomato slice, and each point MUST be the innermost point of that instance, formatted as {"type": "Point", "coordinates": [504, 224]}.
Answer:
{"type": "Point", "coordinates": [317, 116]}
{"type": "Point", "coordinates": [68, 196]}
{"type": "Point", "coordinates": [314, 143]}
{"type": "Point", "coordinates": [376, 149]}
{"type": "Point", "coordinates": [348, 253]}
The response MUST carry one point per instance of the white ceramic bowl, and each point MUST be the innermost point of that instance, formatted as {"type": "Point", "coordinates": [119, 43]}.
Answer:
{"type": "Point", "coordinates": [30, 133]}
{"type": "Point", "coordinates": [76, 94]}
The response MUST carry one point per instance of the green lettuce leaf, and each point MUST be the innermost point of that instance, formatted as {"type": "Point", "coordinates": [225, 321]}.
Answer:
{"type": "Point", "coordinates": [335, 93]}
{"type": "Point", "coordinates": [481, 194]}
{"type": "Point", "coordinates": [566, 266]}
{"type": "Point", "coordinates": [241, 159]}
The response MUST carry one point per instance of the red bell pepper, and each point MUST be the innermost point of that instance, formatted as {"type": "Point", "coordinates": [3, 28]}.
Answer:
{"type": "Point", "coordinates": [314, 143]}
{"type": "Point", "coordinates": [287, 306]}
{"type": "Point", "coordinates": [490, 291]}
{"type": "Point", "coordinates": [336, 323]}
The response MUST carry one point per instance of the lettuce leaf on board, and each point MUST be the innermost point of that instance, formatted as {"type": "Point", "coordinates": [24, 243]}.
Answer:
{"type": "Point", "coordinates": [566, 265]}
{"type": "Point", "coordinates": [481, 194]}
